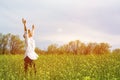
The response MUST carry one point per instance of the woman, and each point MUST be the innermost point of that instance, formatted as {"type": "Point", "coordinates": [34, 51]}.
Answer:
{"type": "Point", "coordinates": [30, 54]}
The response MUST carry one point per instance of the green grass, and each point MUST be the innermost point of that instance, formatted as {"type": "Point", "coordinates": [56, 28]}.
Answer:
{"type": "Point", "coordinates": [62, 67]}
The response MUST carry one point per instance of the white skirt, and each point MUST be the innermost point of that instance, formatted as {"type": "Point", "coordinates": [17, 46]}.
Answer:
{"type": "Point", "coordinates": [31, 54]}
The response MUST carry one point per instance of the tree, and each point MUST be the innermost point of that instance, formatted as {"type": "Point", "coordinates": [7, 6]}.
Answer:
{"type": "Point", "coordinates": [10, 43]}
{"type": "Point", "coordinates": [82, 48]}
{"type": "Point", "coordinates": [39, 51]}
{"type": "Point", "coordinates": [116, 50]}
{"type": "Point", "coordinates": [102, 48]}
{"type": "Point", "coordinates": [15, 44]}
{"type": "Point", "coordinates": [52, 48]}
{"type": "Point", "coordinates": [90, 48]}
{"type": "Point", "coordinates": [74, 46]}
{"type": "Point", "coordinates": [4, 39]}
{"type": "Point", "coordinates": [63, 49]}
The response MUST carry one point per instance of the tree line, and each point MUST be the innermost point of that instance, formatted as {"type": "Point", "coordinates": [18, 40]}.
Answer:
{"type": "Point", "coordinates": [78, 47]}
{"type": "Point", "coordinates": [12, 44]}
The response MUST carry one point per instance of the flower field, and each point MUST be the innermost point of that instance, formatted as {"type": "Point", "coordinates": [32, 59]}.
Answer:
{"type": "Point", "coordinates": [62, 67]}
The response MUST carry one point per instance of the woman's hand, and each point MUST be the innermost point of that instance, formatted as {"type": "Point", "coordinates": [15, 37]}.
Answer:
{"type": "Point", "coordinates": [33, 27]}
{"type": "Point", "coordinates": [23, 21]}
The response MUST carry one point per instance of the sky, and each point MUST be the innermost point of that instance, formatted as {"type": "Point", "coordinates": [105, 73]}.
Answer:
{"type": "Point", "coordinates": [61, 21]}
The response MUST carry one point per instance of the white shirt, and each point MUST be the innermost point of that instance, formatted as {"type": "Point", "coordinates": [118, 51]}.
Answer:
{"type": "Point", "coordinates": [30, 47]}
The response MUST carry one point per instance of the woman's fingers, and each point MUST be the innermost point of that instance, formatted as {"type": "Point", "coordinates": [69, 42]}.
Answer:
{"type": "Point", "coordinates": [23, 21]}
{"type": "Point", "coordinates": [33, 26]}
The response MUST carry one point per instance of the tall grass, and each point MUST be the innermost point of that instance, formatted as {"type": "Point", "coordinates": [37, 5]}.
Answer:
{"type": "Point", "coordinates": [62, 67]}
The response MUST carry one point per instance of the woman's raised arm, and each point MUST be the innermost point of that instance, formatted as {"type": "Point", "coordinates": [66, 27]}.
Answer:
{"type": "Point", "coordinates": [24, 22]}
{"type": "Point", "coordinates": [33, 28]}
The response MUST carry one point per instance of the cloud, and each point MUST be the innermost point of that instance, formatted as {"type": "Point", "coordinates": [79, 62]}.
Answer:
{"type": "Point", "coordinates": [64, 20]}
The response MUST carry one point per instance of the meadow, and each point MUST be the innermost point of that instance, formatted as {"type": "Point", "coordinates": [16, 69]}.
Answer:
{"type": "Point", "coordinates": [62, 67]}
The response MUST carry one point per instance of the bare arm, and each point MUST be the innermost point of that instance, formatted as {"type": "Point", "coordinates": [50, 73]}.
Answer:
{"type": "Point", "coordinates": [24, 23]}
{"type": "Point", "coordinates": [33, 28]}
